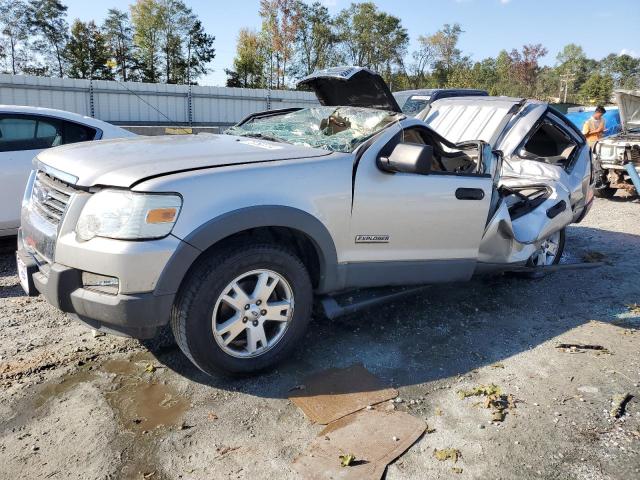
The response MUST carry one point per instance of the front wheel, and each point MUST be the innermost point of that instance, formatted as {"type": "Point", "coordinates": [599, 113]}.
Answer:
{"type": "Point", "coordinates": [242, 309]}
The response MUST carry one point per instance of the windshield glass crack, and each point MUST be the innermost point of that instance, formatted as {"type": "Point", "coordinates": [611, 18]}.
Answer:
{"type": "Point", "coordinates": [338, 129]}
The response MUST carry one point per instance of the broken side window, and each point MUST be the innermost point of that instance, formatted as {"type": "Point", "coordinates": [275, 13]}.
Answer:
{"type": "Point", "coordinates": [445, 159]}
{"type": "Point", "coordinates": [548, 144]}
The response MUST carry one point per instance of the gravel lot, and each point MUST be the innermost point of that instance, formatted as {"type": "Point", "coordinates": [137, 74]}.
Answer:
{"type": "Point", "coordinates": [74, 406]}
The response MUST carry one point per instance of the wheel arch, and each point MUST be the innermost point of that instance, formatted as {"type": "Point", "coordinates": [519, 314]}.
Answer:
{"type": "Point", "coordinates": [278, 223]}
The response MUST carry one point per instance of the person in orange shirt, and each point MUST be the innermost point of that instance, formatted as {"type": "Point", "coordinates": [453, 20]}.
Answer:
{"type": "Point", "coordinates": [594, 128]}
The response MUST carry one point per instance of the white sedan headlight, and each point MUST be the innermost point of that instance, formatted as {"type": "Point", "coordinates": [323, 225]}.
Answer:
{"type": "Point", "coordinates": [125, 215]}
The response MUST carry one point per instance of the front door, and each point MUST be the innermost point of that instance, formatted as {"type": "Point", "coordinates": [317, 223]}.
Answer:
{"type": "Point", "coordinates": [415, 228]}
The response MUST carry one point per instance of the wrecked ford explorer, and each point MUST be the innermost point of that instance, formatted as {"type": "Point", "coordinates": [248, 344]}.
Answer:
{"type": "Point", "coordinates": [618, 156]}
{"type": "Point", "coordinates": [229, 237]}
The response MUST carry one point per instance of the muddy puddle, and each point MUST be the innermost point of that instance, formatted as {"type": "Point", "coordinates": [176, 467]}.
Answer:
{"type": "Point", "coordinates": [68, 382]}
{"type": "Point", "coordinates": [144, 407]}
{"type": "Point", "coordinates": [134, 389]}
{"type": "Point", "coordinates": [143, 401]}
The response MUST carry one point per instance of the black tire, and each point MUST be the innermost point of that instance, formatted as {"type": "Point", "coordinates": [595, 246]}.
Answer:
{"type": "Point", "coordinates": [605, 192]}
{"type": "Point", "coordinates": [191, 317]}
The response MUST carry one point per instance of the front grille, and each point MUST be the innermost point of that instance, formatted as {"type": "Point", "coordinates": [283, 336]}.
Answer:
{"type": "Point", "coordinates": [607, 152]}
{"type": "Point", "coordinates": [50, 198]}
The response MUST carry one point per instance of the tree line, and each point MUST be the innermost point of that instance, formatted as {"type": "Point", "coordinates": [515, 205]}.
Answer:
{"type": "Point", "coordinates": [297, 38]}
{"type": "Point", "coordinates": [155, 41]}
{"type": "Point", "coordinates": [165, 41]}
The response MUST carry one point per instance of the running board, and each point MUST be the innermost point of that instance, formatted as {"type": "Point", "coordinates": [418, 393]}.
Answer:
{"type": "Point", "coordinates": [556, 268]}
{"type": "Point", "coordinates": [335, 306]}
{"type": "Point", "coordinates": [354, 301]}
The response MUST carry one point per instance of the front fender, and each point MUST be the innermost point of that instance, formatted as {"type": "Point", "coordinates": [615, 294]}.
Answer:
{"type": "Point", "coordinates": [230, 223]}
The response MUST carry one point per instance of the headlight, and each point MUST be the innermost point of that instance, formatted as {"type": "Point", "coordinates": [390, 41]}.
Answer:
{"type": "Point", "coordinates": [128, 216]}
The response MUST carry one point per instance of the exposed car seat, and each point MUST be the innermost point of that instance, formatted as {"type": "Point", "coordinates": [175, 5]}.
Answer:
{"type": "Point", "coordinates": [443, 161]}
{"type": "Point", "coordinates": [550, 145]}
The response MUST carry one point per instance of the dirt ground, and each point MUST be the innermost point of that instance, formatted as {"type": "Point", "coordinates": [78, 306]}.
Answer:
{"type": "Point", "coordinates": [74, 406]}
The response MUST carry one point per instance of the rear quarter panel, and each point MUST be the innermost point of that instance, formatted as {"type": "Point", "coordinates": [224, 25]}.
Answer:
{"type": "Point", "coordinates": [577, 179]}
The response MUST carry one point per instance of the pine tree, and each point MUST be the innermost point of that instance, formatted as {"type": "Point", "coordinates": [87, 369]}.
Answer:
{"type": "Point", "coordinates": [119, 33]}
{"type": "Point", "coordinates": [48, 21]}
{"type": "Point", "coordinates": [87, 52]}
{"type": "Point", "coordinates": [14, 27]}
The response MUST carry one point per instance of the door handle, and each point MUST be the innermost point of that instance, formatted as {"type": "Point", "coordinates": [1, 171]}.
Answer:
{"type": "Point", "coordinates": [469, 194]}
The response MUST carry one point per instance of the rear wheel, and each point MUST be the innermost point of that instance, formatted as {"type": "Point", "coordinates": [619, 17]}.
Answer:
{"type": "Point", "coordinates": [243, 309]}
{"type": "Point", "coordinates": [550, 251]}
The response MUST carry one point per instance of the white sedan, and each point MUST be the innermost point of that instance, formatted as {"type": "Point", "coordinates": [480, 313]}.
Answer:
{"type": "Point", "coordinates": [25, 132]}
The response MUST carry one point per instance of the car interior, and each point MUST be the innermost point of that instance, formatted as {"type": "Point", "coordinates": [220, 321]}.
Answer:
{"type": "Point", "coordinates": [445, 159]}
{"type": "Point", "coordinates": [548, 144]}
{"type": "Point", "coordinates": [521, 200]}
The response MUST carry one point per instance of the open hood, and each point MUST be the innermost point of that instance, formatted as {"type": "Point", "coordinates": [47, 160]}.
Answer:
{"type": "Point", "coordinates": [351, 87]}
{"type": "Point", "coordinates": [629, 105]}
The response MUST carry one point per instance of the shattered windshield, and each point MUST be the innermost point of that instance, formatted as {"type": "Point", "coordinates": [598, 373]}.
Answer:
{"type": "Point", "coordinates": [338, 129]}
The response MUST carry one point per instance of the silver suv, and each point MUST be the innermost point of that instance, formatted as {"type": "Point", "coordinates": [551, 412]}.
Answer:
{"type": "Point", "coordinates": [229, 237]}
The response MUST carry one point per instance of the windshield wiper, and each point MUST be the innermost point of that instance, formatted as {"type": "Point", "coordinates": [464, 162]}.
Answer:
{"type": "Point", "coordinates": [262, 136]}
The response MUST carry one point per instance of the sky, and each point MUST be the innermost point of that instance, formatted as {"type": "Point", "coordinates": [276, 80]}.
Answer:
{"type": "Point", "coordinates": [599, 26]}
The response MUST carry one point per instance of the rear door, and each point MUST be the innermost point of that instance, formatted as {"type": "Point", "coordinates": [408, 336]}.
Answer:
{"type": "Point", "coordinates": [554, 150]}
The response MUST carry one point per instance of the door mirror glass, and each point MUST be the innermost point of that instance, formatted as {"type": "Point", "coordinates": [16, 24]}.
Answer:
{"type": "Point", "coordinates": [408, 158]}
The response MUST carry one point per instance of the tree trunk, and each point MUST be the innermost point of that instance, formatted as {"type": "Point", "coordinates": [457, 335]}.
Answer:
{"type": "Point", "coordinates": [284, 70]}
{"type": "Point", "coordinates": [168, 63]}
{"type": "Point", "coordinates": [123, 62]}
{"type": "Point", "coordinates": [13, 57]}
{"type": "Point", "coordinates": [59, 61]}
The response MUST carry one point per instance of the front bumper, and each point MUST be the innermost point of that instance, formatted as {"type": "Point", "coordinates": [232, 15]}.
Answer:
{"type": "Point", "coordinates": [606, 165]}
{"type": "Point", "coordinates": [617, 175]}
{"type": "Point", "coordinates": [138, 315]}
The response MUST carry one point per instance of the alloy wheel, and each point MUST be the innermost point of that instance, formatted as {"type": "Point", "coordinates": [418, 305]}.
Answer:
{"type": "Point", "coordinates": [548, 251]}
{"type": "Point", "coordinates": [252, 313]}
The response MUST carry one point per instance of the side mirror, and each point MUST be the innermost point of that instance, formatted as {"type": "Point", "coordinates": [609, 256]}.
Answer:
{"type": "Point", "coordinates": [408, 158]}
